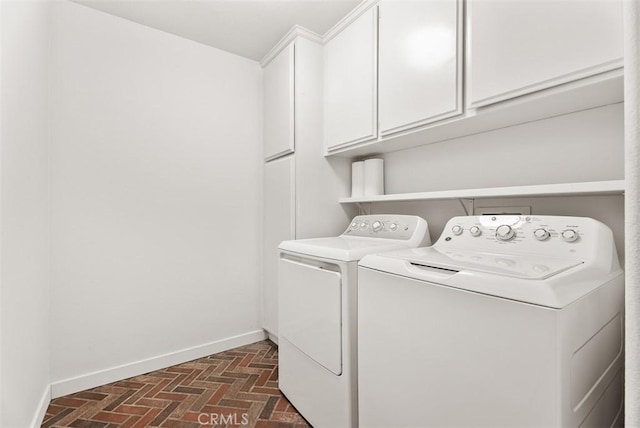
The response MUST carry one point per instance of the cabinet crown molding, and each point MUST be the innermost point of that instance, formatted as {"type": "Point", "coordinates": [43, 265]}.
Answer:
{"type": "Point", "coordinates": [355, 13]}
{"type": "Point", "coordinates": [295, 32]}
{"type": "Point", "coordinates": [299, 31]}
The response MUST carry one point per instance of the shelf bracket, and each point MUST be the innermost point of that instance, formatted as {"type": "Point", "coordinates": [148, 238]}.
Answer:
{"type": "Point", "coordinates": [362, 210]}
{"type": "Point", "coordinates": [468, 207]}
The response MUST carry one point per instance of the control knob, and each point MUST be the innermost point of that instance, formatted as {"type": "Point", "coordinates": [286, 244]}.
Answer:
{"type": "Point", "coordinates": [541, 234]}
{"type": "Point", "coordinates": [354, 225]}
{"type": "Point", "coordinates": [377, 226]}
{"type": "Point", "coordinates": [475, 231]}
{"type": "Point", "coordinates": [457, 230]}
{"type": "Point", "coordinates": [364, 225]}
{"type": "Point", "coordinates": [505, 233]}
{"type": "Point", "coordinates": [393, 227]}
{"type": "Point", "coordinates": [569, 235]}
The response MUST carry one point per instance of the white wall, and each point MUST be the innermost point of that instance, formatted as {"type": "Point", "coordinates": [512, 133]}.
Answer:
{"type": "Point", "coordinates": [24, 213]}
{"type": "Point", "coordinates": [156, 190]}
{"type": "Point", "coordinates": [583, 146]}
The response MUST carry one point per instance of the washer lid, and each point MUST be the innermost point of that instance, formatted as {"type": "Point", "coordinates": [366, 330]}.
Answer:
{"type": "Point", "coordinates": [511, 265]}
{"type": "Point", "coordinates": [343, 248]}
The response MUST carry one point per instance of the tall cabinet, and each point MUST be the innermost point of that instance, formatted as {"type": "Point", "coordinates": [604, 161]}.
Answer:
{"type": "Point", "coordinates": [278, 78]}
{"type": "Point", "coordinates": [301, 186]}
{"type": "Point", "coordinates": [279, 225]}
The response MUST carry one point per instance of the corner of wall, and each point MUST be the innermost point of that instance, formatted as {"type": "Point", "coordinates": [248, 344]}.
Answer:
{"type": "Point", "coordinates": [43, 404]}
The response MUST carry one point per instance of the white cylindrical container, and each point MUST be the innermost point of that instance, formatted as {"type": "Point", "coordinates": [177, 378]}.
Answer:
{"type": "Point", "coordinates": [373, 177]}
{"type": "Point", "coordinates": [357, 179]}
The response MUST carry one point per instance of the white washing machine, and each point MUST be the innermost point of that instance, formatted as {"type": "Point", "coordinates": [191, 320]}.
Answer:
{"type": "Point", "coordinates": [317, 313]}
{"type": "Point", "coordinates": [506, 321]}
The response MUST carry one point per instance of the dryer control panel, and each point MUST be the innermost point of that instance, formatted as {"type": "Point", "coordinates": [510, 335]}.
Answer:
{"type": "Point", "coordinates": [551, 236]}
{"type": "Point", "coordinates": [401, 227]}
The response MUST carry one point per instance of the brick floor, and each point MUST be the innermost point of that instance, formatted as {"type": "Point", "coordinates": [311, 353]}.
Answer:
{"type": "Point", "coordinates": [234, 388]}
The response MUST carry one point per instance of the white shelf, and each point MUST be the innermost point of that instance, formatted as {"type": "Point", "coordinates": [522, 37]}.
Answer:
{"type": "Point", "coordinates": [613, 187]}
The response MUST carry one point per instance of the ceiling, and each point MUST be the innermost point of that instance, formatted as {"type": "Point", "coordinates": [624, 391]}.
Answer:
{"type": "Point", "coordinates": [249, 28]}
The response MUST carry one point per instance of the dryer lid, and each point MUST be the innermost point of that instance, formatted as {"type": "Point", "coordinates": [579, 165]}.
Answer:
{"type": "Point", "coordinates": [511, 265]}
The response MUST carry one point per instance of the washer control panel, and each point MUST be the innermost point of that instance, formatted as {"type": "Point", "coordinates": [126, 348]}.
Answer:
{"type": "Point", "coordinates": [387, 226]}
{"type": "Point", "coordinates": [534, 234]}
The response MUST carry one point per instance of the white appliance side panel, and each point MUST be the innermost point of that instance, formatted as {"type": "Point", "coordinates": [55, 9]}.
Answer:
{"type": "Point", "coordinates": [351, 83]}
{"type": "Point", "coordinates": [419, 62]}
{"type": "Point", "coordinates": [279, 104]}
{"type": "Point", "coordinates": [311, 311]}
{"type": "Point", "coordinates": [279, 225]}
{"type": "Point", "coordinates": [609, 407]}
{"type": "Point", "coordinates": [460, 359]}
{"type": "Point", "coordinates": [517, 47]}
{"type": "Point", "coordinates": [592, 330]}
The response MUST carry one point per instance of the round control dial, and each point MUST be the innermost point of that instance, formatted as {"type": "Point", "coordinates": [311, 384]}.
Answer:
{"type": "Point", "coordinates": [569, 235]}
{"type": "Point", "coordinates": [393, 227]}
{"type": "Point", "coordinates": [505, 233]}
{"type": "Point", "coordinates": [364, 225]}
{"type": "Point", "coordinates": [475, 231]}
{"type": "Point", "coordinates": [457, 230]}
{"type": "Point", "coordinates": [376, 226]}
{"type": "Point", "coordinates": [354, 225]}
{"type": "Point", "coordinates": [541, 234]}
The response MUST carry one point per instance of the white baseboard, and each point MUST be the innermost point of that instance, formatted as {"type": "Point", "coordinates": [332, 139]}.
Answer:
{"type": "Point", "coordinates": [102, 377]}
{"type": "Point", "coordinates": [36, 422]}
{"type": "Point", "coordinates": [272, 337]}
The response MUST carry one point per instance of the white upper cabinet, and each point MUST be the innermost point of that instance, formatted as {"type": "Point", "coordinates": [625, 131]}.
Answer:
{"type": "Point", "coordinates": [420, 62]}
{"type": "Point", "coordinates": [519, 47]}
{"type": "Point", "coordinates": [279, 104]}
{"type": "Point", "coordinates": [350, 83]}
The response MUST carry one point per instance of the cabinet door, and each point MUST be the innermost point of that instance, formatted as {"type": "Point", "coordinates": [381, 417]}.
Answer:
{"type": "Point", "coordinates": [279, 104]}
{"type": "Point", "coordinates": [420, 62]}
{"type": "Point", "coordinates": [518, 47]}
{"type": "Point", "coordinates": [350, 83]}
{"type": "Point", "coordinates": [279, 225]}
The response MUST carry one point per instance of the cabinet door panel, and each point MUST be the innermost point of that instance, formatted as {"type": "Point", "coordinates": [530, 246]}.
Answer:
{"type": "Point", "coordinates": [518, 47]}
{"type": "Point", "coordinates": [350, 83]}
{"type": "Point", "coordinates": [279, 104]}
{"type": "Point", "coordinates": [279, 225]}
{"type": "Point", "coordinates": [420, 62]}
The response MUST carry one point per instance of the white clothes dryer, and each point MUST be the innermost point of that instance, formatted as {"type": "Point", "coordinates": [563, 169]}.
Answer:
{"type": "Point", "coordinates": [317, 313]}
{"type": "Point", "coordinates": [506, 321]}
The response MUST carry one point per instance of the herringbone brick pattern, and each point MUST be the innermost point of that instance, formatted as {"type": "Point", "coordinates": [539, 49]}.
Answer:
{"type": "Point", "coordinates": [233, 388]}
